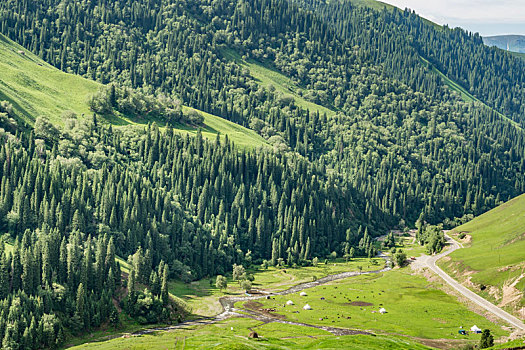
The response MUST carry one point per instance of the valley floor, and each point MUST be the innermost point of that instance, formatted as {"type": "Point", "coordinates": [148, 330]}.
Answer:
{"type": "Point", "coordinates": [345, 312]}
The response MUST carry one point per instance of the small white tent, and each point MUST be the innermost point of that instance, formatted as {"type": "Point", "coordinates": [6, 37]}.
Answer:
{"type": "Point", "coordinates": [289, 302]}
{"type": "Point", "coordinates": [307, 307]}
{"type": "Point", "coordinates": [382, 310]}
{"type": "Point", "coordinates": [303, 294]}
{"type": "Point", "coordinates": [475, 329]}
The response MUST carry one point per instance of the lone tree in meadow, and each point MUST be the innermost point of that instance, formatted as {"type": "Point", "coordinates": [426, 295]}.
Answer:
{"type": "Point", "coordinates": [265, 264]}
{"type": "Point", "coordinates": [487, 340]}
{"type": "Point", "coordinates": [239, 273]}
{"type": "Point", "coordinates": [400, 258]}
{"type": "Point", "coordinates": [333, 255]}
{"type": "Point", "coordinates": [246, 285]}
{"type": "Point", "coordinates": [221, 282]}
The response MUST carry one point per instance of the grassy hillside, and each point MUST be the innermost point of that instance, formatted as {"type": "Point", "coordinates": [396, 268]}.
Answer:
{"type": "Point", "coordinates": [212, 125]}
{"type": "Point", "coordinates": [267, 76]}
{"type": "Point", "coordinates": [494, 253]}
{"type": "Point", "coordinates": [35, 88]}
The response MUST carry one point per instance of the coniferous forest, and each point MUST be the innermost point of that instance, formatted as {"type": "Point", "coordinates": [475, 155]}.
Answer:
{"type": "Point", "coordinates": [400, 146]}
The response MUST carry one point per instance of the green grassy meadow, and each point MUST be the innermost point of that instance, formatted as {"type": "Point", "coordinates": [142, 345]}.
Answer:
{"type": "Point", "coordinates": [414, 308]}
{"type": "Point", "coordinates": [495, 255]}
{"type": "Point", "coordinates": [203, 297]}
{"type": "Point", "coordinates": [233, 334]}
{"type": "Point", "coordinates": [35, 88]}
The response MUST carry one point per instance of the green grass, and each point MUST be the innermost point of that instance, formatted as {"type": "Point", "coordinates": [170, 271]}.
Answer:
{"type": "Point", "coordinates": [106, 332]}
{"type": "Point", "coordinates": [465, 95]}
{"type": "Point", "coordinates": [233, 334]}
{"type": "Point", "coordinates": [496, 252]}
{"type": "Point", "coordinates": [203, 298]}
{"type": "Point", "coordinates": [514, 344]}
{"type": "Point", "coordinates": [240, 135]}
{"type": "Point", "coordinates": [212, 126]}
{"type": "Point", "coordinates": [268, 76]}
{"type": "Point", "coordinates": [414, 308]}
{"type": "Point", "coordinates": [34, 88]}
{"type": "Point", "coordinates": [124, 266]}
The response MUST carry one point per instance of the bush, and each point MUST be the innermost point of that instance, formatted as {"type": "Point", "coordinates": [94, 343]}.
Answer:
{"type": "Point", "coordinates": [246, 285]}
{"type": "Point", "coordinates": [194, 117]}
{"type": "Point", "coordinates": [399, 258]}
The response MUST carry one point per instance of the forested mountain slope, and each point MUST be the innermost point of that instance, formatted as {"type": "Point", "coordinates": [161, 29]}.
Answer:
{"type": "Point", "coordinates": [366, 136]}
{"type": "Point", "coordinates": [193, 206]}
{"type": "Point", "coordinates": [399, 38]}
{"type": "Point", "coordinates": [403, 139]}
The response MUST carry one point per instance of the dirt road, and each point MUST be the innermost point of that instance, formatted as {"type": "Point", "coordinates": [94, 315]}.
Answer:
{"type": "Point", "coordinates": [430, 262]}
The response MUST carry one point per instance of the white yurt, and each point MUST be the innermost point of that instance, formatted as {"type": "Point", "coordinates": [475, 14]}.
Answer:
{"type": "Point", "coordinates": [289, 302]}
{"type": "Point", "coordinates": [382, 310]}
{"type": "Point", "coordinates": [303, 294]}
{"type": "Point", "coordinates": [307, 307]}
{"type": "Point", "coordinates": [475, 329]}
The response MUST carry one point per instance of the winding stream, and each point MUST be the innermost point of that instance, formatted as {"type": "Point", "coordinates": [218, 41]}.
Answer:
{"type": "Point", "coordinates": [229, 310]}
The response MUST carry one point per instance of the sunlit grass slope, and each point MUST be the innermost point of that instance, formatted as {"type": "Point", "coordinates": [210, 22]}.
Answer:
{"type": "Point", "coordinates": [35, 88]}
{"type": "Point", "coordinates": [496, 253]}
